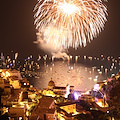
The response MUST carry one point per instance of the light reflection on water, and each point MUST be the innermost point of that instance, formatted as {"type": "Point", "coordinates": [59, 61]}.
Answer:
{"type": "Point", "coordinates": [82, 74]}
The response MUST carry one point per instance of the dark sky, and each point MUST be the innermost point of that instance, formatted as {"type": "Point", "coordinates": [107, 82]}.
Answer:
{"type": "Point", "coordinates": [17, 30]}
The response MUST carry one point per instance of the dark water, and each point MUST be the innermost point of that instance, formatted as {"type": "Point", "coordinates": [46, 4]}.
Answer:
{"type": "Point", "coordinates": [81, 72]}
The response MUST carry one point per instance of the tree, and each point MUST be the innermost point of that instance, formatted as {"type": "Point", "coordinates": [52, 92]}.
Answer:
{"type": "Point", "coordinates": [60, 99]}
{"type": "Point", "coordinates": [99, 115]}
{"type": "Point", "coordinates": [112, 92]}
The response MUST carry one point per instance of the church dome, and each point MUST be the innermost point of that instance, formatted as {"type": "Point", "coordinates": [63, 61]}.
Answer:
{"type": "Point", "coordinates": [51, 84]}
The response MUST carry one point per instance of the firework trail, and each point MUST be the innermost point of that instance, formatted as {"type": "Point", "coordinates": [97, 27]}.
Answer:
{"type": "Point", "coordinates": [69, 23]}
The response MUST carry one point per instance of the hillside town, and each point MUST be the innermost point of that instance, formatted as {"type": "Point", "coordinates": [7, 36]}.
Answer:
{"type": "Point", "coordinates": [21, 101]}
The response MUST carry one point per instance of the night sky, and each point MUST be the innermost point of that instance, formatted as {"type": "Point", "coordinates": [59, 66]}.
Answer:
{"type": "Point", "coordinates": [17, 30]}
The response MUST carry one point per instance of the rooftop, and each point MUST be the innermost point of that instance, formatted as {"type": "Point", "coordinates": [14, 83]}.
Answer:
{"type": "Point", "coordinates": [45, 102]}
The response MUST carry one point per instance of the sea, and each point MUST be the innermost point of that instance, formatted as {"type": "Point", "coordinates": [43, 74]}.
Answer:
{"type": "Point", "coordinates": [82, 72]}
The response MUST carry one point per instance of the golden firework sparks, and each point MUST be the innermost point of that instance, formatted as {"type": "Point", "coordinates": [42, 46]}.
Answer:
{"type": "Point", "coordinates": [69, 23]}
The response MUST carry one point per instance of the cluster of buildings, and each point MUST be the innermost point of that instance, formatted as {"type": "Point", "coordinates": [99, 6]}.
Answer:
{"type": "Point", "coordinates": [21, 101]}
{"type": "Point", "coordinates": [16, 94]}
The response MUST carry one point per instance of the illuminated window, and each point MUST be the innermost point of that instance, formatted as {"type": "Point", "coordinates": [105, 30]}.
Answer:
{"type": "Point", "coordinates": [20, 118]}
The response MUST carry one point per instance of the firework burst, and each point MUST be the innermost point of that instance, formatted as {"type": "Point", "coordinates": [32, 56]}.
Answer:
{"type": "Point", "coordinates": [69, 23]}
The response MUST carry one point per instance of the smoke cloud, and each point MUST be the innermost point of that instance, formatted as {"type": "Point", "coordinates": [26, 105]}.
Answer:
{"type": "Point", "coordinates": [56, 52]}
